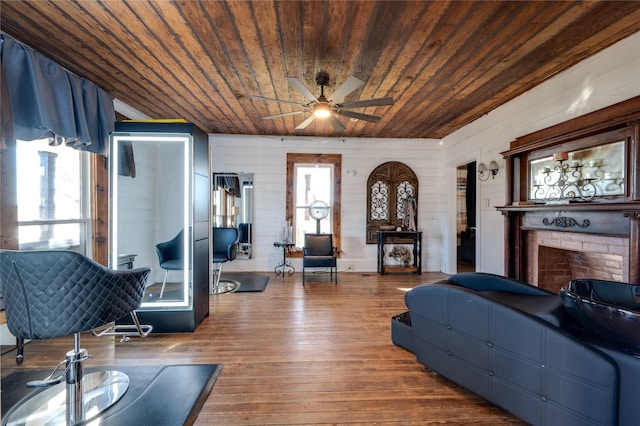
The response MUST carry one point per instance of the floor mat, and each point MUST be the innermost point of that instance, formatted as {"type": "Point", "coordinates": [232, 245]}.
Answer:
{"type": "Point", "coordinates": [249, 281]}
{"type": "Point", "coordinates": [159, 395]}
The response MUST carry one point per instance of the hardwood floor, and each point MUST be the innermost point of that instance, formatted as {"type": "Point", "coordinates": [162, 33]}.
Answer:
{"type": "Point", "coordinates": [319, 354]}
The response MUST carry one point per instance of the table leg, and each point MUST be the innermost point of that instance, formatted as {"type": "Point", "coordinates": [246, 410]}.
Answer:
{"type": "Point", "coordinates": [284, 266]}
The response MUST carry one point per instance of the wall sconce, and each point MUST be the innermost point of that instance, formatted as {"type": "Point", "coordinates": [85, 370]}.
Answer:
{"type": "Point", "coordinates": [484, 173]}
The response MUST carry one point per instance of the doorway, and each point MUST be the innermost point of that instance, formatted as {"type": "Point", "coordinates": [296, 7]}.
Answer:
{"type": "Point", "coordinates": [466, 217]}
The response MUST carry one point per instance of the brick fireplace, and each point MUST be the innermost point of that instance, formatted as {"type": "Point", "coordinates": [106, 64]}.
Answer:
{"type": "Point", "coordinates": [555, 229]}
{"type": "Point", "coordinates": [554, 258]}
{"type": "Point", "coordinates": [551, 245]}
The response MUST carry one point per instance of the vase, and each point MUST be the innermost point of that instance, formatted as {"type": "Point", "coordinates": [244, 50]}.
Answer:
{"type": "Point", "coordinates": [285, 232]}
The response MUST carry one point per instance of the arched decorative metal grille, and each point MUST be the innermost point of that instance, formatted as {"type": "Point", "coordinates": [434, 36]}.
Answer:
{"type": "Point", "coordinates": [379, 208]}
{"type": "Point", "coordinates": [388, 185]}
{"type": "Point", "coordinates": [403, 190]}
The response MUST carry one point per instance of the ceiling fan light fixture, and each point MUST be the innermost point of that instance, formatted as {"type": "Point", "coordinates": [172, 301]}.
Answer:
{"type": "Point", "coordinates": [322, 110]}
{"type": "Point", "coordinates": [328, 109]}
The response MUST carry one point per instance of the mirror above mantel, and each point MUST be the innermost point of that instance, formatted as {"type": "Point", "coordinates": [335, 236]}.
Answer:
{"type": "Point", "coordinates": [578, 176]}
{"type": "Point", "coordinates": [233, 207]}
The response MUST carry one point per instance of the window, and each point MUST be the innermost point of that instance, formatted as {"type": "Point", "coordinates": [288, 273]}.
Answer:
{"type": "Point", "coordinates": [52, 208]}
{"type": "Point", "coordinates": [313, 177]}
{"type": "Point", "coordinates": [314, 186]}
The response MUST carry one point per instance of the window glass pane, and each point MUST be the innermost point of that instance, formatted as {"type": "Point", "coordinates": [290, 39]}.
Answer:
{"type": "Point", "coordinates": [313, 182]}
{"type": "Point", "coordinates": [48, 181]}
{"type": "Point", "coordinates": [50, 236]}
{"type": "Point", "coordinates": [50, 210]}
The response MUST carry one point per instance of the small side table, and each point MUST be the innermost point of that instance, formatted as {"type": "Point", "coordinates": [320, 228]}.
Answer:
{"type": "Point", "coordinates": [284, 266]}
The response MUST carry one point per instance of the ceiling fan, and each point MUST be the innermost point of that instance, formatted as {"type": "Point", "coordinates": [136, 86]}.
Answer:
{"type": "Point", "coordinates": [329, 108]}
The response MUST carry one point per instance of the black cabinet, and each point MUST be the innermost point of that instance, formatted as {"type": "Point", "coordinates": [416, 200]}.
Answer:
{"type": "Point", "coordinates": [160, 188]}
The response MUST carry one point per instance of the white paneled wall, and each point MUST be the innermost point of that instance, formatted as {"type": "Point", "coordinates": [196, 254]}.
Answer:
{"type": "Point", "coordinates": [266, 158]}
{"type": "Point", "coordinates": [610, 77]}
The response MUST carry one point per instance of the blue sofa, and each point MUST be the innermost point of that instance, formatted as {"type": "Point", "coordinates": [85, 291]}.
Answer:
{"type": "Point", "coordinates": [517, 346]}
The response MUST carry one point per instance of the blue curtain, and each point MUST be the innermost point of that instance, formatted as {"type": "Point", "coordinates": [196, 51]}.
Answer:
{"type": "Point", "coordinates": [47, 101]}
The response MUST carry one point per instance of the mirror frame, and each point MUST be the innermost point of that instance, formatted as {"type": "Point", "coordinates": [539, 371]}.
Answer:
{"type": "Point", "coordinates": [187, 213]}
{"type": "Point", "coordinates": [243, 207]}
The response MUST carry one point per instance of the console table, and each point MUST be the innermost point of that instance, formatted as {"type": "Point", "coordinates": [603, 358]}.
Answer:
{"type": "Point", "coordinates": [400, 237]}
{"type": "Point", "coordinates": [284, 266]}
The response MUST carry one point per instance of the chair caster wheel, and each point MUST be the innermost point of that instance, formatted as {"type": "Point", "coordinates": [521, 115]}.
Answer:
{"type": "Point", "coordinates": [19, 359]}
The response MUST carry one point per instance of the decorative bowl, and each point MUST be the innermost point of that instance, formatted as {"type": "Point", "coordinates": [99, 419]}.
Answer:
{"type": "Point", "coordinates": [387, 227]}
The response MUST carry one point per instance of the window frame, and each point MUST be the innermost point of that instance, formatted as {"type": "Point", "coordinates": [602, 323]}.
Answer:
{"type": "Point", "coordinates": [329, 159]}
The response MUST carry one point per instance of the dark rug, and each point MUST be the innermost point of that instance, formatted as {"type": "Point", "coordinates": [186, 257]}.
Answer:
{"type": "Point", "coordinates": [249, 281]}
{"type": "Point", "coordinates": [160, 395]}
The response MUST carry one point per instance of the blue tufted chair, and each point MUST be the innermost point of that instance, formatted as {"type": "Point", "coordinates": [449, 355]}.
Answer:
{"type": "Point", "coordinates": [54, 293]}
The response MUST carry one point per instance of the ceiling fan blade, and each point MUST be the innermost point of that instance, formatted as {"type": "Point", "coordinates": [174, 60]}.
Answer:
{"type": "Point", "coordinates": [284, 114]}
{"type": "Point", "coordinates": [306, 122]}
{"type": "Point", "coordinates": [301, 88]}
{"type": "Point", "coordinates": [350, 84]}
{"type": "Point", "coordinates": [262, 98]}
{"type": "Point", "coordinates": [359, 116]}
{"type": "Point", "coordinates": [367, 103]}
{"type": "Point", "coordinates": [337, 125]}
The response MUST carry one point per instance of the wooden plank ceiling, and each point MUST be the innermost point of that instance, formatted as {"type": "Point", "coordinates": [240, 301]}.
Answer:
{"type": "Point", "coordinates": [445, 63]}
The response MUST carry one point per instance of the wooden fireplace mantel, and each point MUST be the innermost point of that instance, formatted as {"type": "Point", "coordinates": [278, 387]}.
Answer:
{"type": "Point", "coordinates": [615, 216]}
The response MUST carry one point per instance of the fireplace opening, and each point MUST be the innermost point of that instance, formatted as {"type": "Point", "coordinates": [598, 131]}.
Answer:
{"type": "Point", "coordinates": [555, 258]}
{"type": "Point", "coordinates": [556, 267]}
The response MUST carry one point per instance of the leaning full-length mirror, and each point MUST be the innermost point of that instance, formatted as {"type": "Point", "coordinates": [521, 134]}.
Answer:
{"type": "Point", "coordinates": [150, 216]}
{"type": "Point", "coordinates": [233, 207]}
